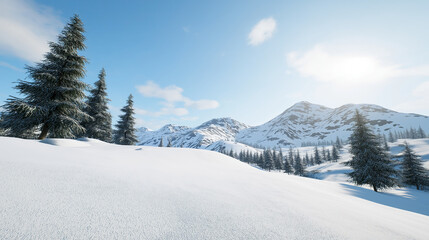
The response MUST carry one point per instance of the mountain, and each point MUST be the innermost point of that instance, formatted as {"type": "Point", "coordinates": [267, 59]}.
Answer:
{"type": "Point", "coordinates": [307, 122]}
{"type": "Point", "coordinates": [217, 131]}
{"type": "Point", "coordinates": [303, 123]}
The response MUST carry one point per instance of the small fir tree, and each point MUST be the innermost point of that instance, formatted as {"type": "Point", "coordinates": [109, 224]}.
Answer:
{"type": "Point", "coordinates": [299, 169]}
{"type": "Point", "coordinates": [413, 172]}
{"type": "Point", "coordinates": [317, 158]}
{"type": "Point", "coordinates": [100, 126]}
{"type": "Point", "coordinates": [125, 130]}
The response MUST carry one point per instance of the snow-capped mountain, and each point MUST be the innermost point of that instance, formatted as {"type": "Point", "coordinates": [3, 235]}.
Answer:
{"type": "Point", "coordinates": [307, 122]}
{"type": "Point", "coordinates": [208, 133]}
{"type": "Point", "coordinates": [304, 122]}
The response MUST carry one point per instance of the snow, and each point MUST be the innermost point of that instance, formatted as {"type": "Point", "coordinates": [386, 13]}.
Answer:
{"type": "Point", "coordinates": [65, 190]}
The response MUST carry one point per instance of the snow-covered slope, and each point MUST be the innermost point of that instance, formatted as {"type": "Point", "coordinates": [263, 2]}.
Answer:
{"type": "Point", "coordinates": [307, 122]}
{"type": "Point", "coordinates": [216, 131]}
{"type": "Point", "coordinates": [66, 189]}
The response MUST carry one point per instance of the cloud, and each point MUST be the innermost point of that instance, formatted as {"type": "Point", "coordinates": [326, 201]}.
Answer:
{"type": "Point", "coordinates": [172, 95]}
{"type": "Point", "coordinates": [262, 31]}
{"type": "Point", "coordinates": [5, 64]}
{"type": "Point", "coordinates": [419, 100]}
{"type": "Point", "coordinates": [26, 28]}
{"type": "Point", "coordinates": [330, 66]}
{"type": "Point", "coordinates": [164, 111]}
{"type": "Point", "coordinates": [186, 29]}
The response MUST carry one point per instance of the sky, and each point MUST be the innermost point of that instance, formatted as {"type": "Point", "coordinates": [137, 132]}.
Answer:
{"type": "Point", "coordinates": [186, 62]}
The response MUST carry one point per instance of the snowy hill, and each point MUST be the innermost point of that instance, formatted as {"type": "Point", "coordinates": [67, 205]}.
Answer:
{"type": "Point", "coordinates": [70, 189]}
{"type": "Point", "coordinates": [209, 135]}
{"type": "Point", "coordinates": [303, 122]}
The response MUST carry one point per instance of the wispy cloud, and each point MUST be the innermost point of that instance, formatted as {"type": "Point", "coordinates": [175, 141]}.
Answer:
{"type": "Point", "coordinates": [262, 31]}
{"type": "Point", "coordinates": [5, 64]}
{"type": "Point", "coordinates": [172, 95]}
{"type": "Point", "coordinates": [186, 29]}
{"type": "Point", "coordinates": [176, 111]}
{"type": "Point", "coordinates": [331, 66]}
{"type": "Point", "coordinates": [26, 28]}
{"type": "Point", "coordinates": [419, 100]}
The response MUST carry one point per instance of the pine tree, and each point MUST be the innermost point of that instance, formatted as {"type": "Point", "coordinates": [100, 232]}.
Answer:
{"type": "Point", "coordinates": [125, 130]}
{"type": "Point", "coordinates": [413, 172]}
{"type": "Point", "coordinates": [299, 169]}
{"type": "Point", "coordinates": [54, 98]}
{"type": "Point", "coordinates": [307, 159]}
{"type": "Point", "coordinates": [291, 156]}
{"type": "Point", "coordinates": [370, 163]}
{"type": "Point", "coordinates": [169, 143]}
{"type": "Point", "coordinates": [323, 154]}
{"type": "Point", "coordinates": [269, 162]}
{"type": "Point", "coordinates": [385, 144]}
{"type": "Point", "coordinates": [261, 160]}
{"type": "Point", "coordinates": [335, 155]}
{"type": "Point", "coordinates": [328, 156]}
{"type": "Point", "coordinates": [338, 143]}
{"type": "Point", "coordinates": [100, 126]}
{"type": "Point", "coordinates": [162, 145]}
{"type": "Point", "coordinates": [391, 138]}
{"type": "Point", "coordinates": [287, 167]}
{"type": "Point", "coordinates": [421, 133]}
{"type": "Point", "coordinates": [317, 158]}
{"type": "Point", "coordinates": [277, 160]}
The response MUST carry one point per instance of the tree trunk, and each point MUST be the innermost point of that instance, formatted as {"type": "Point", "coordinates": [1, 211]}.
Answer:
{"type": "Point", "coordinates": [418, 187]}
{"type": "Point", "coordinates": [44, 132]}
{"type": "Point", "coordinates": [375, 188]}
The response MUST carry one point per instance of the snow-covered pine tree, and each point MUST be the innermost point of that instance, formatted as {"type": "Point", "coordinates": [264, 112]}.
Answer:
{"type": "Point", "coordinates": [54, 98]}
{"type": "Point", "coordinates": [125, 130]}
{"type": "Point", "coordinates": [269, 162]}
{"type": "Point", "coordinates": [324, 154]}
{"type": "Point", "coordinates": [291, 156]}
{"type": "Point", "coordinates": [162, 145]}
{"type": "Point", "coordinates": [421, 133]}
{"type": "Point", "coordinates": [306, 159]}
{"type": "Point", "coordinates": [391, 138]}
{"type": "Point", "coordinates": [287, 167]}
{"type": "Point", "coordinates": [281, 159]}
{"type": "Point", "coordinates": [299, 169]}
{"type": "Point", "coordinates": [413, 172]}
{"type": "Point", "coordinates": [328, 156]}
{"type": "Point", "coordinates": [169, 143]}
{"type": "Point", "coordinates": [100, 126]}
{"type": "Point", "coordinates": [385, 144]}
{"type": "Point", "coordinates": [317, 158]}
{"type": "Point", "coordinates": [261, 161]}
{"type": "Point", "coordinates": [335, 155]}
{"type": "Point", "coordinates": [370, 163]}
{"type": "Point", "coordinates": [338, 143]}
{"type": "Point", "coordinates": [277, 160]}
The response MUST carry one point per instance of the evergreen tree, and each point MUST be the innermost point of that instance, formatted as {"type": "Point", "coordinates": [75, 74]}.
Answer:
{"type": "Point", "coordinates": [54, 98]}
{"type": "Point", "coordinates": [317, 158]}
{"type": "Point", "coordinates": [328, 156]}
{"type": "Point", "coordinates": [370, 163]}
{"type": "Point", "coordinates": [307, 159]}
{"type": "Point", "coordinates": [421, 133]}
{"type": "Point", "coordinates": [269, 162]}
{"type": "Point", "coordinates": [125, 130]}
{"type": "Point", "coordinates": [385, 144]}
{"type": "Point", "coordinates": [277, 161]}
{"type": "Point", "coordinates": [413, 172]}
{"type": "Point", "coordinates": [311, 160]}
{"type": "Point", "coordinates": [299, 169]}
{"type": "Point", "coordinates": [100, 126]}
{"type": "Point", "coordinates": [287, 167]}
{"type": "Point", "coordinates": [324, 154]}
{"type": "Point", "coordinates": [338, 144]}
{"type": "Point", "coordinates": [169, 143]}
{"type": "Point", "coordinates": [261, 161]}
{"type": "Point", "coordinates": [291, 156]}
{"type": "Point", "coordinates": [162, 145]}
{"type": "Point", "coordinates": [335, 155]}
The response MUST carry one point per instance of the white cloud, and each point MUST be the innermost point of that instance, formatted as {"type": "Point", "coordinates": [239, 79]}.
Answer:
{"type": "Point", "coordinates": [26, 28]}
{"type": "Point", "coordinates": [331, 66]}
{"type": "Point", "coordinates": [262, 31]}
{"type": "Point", "coordinates": [172, 95]}
{"type": "Point", "coordinates": [164, 111]}
{"type": "Point", "coordinates": [419, 100]}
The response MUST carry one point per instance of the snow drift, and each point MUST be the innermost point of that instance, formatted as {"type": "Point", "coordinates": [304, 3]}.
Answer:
{"type": "Point", "coordinates": [92, 190]}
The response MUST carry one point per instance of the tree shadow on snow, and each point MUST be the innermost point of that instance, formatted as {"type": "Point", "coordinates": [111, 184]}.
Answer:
{"type": "Point", "coordinates": [408, 200]}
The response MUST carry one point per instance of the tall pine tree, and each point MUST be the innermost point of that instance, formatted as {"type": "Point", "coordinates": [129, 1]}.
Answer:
{"type": "Point", "coordinates": [100, 126]}
{"type": "Point", "coordinates": [125, 130]}
{"type": "Point", "coordinates": [371, 164]}
{"type": "Point", "coordinates": [54, 98]}
{"type": "Point", "coordinates": [413, 172]}
{"type": "Point", "coordinates": [299, 169]}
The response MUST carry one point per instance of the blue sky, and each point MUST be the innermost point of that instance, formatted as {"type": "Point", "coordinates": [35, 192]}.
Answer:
{"type": "Point", "coordinates": [189, 61]}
